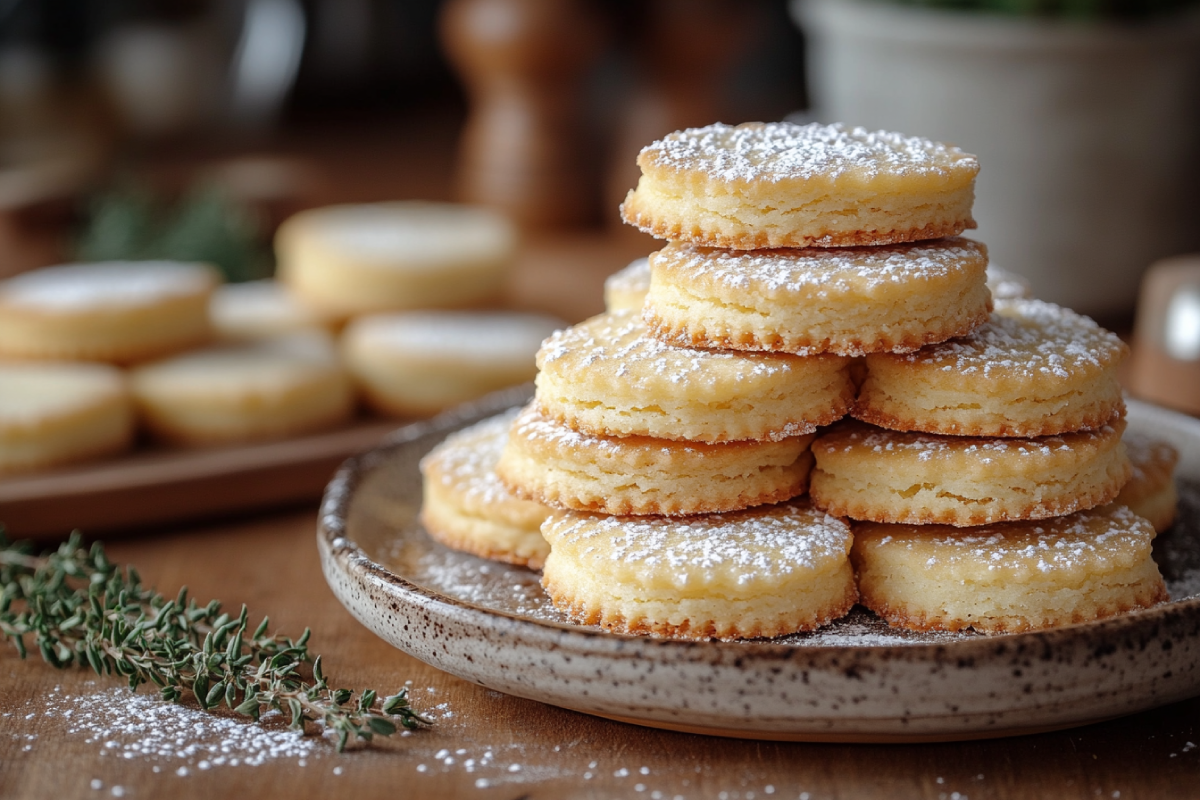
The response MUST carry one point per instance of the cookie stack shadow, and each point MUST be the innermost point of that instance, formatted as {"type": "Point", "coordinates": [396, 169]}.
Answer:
{"type": "Point", "coordinates": [812, 272]}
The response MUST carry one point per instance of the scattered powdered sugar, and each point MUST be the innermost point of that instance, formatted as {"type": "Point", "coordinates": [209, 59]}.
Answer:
{"type": "Point", "coordinates": [70, 287]}
{"type": "Point", "coordinates": [129, 725]}
{"type": "Point", "coordinates": [1147, 453]}
{"type": "Point", "coordinates": [1028, 338]}
{"type": "Point", "coordinates": [620, 342]}
{"type": "Point", "coordinates": [778, 151]}
{"type": "Point", "coordinates": [508, 339]}
{"type": "Point", "coordinates": [752, 545]}
{"type": "Point", "coordinates": [830, 271]}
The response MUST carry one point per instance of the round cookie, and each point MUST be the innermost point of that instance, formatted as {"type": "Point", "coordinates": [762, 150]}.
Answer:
{"type": "Point", "coordinates": [1033, 369]}
{"type": "Point", "coordinates": [869, 473]}
{"type": "Point", "coordinates": [261, 390]}
{"type": "Point", "coordinates": [467, 508]}
{"type": "Point", "coordinates": [53, 413]}
{"type": "Point", "coordinates": [556, 465]}
{"type": "Point", "coordinates": [115, 311]}
{"type": "Point", "coordinates": [252, 310]}
{"type": "Point", "coordinates": [778, 184]}
{"type": "Point", "coordinates": [626, 290]}
{"type": "Point", "coordinates": [849, 301]}
{"type": "Point", "coordinates": [421, 362]}
{"type": "Point", "coordinates": [1150, 491]}
{"type": "Point", "coordinates": [762, 572]}
{"type": "Point", "coordinates": [1008, 577]}
{"type": "Point", "coordinates": [358, 259]}
{"type": "Point", "coordinates": [1005, 285]}
{"type": "Point", "coordinates": [609, 377]}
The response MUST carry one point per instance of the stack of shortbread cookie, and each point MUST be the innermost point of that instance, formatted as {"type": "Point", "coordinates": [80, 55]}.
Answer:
{"type": "Point", "coordinates": [671, 443]}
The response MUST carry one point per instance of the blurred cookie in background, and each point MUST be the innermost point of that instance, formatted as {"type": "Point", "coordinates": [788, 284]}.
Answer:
{"type": "Point", "coordinates": [1150, 492]}
{"type": "Point", "coordinates": [116, 311]}
{"type": "Point", "coordinates": [420, 362]}
{"type": "Point", "coordinates": [357, 259]}
{"type": "Point", "coordinates": [53, 413]}
{"type": "Point", "coordinates": [268, 389]}
{"type": "Point", "coordinates": [262, 309]}
{"type": "Point", "coordinates": [626, 290]}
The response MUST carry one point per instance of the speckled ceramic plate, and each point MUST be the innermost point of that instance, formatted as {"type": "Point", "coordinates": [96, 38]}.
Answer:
{"type": "Point", "coordinates": [855, 680]}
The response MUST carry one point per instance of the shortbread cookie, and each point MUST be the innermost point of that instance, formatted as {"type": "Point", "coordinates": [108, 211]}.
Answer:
{"type": "Point", "coordinates": [1150, 491]}
{"type": "Point", "coordinates": [359, 259]}
{"type": "Point", "coordinates": [1005, 285]}
{"type": "Point", "coordinates": [626, 290]}
{"type": "Point", "coordinates": [1034, 369]}
{"type": "Point", "coordinates": [252, 310]}
{"type": "Point", "coordinates": [778, 184]}
{"type": "Point", "coordinates": [467, 508]}
{"type": "Point", "coordinates": [421, 362]}
{"type": "Point", "coordinates": [849, 301]}
{"type": "Point", "coordinates": [549, 462]}
{"type": "Point", "coordinates": [261, 390]}
{"type": "Point", "coordinates": [873, 474]}
{"type": "Point", "coordinates": [609, 377]}
{"type": "Point", "coordinates": [1008, 577]}
{"type": "Point", "coordinates": [763, 572]}
{"type": "Point", "coordinates": [116, 311]}
{"type": "Point", "coordinates": [52, 413]}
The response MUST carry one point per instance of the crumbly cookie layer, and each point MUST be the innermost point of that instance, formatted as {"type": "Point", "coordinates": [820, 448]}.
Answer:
{"type": "Point", "coordinates": [359, 259]}
{"type": "Point", "coordinates": [636, 475]}
{"type": "Point", "coordinates": [1150, 491]}
{"type": "Point", "coordinates": [1034, 369]}
{"type": "Point", "coordinates": [420, 362]}
{"type": "Point", "coordinates": [115, 311]}
{"type": "Point", "coordinates": [763, 572]}
{"type": "Point", "coordinates": [467, 508]}
{"type": "Point", "coordinates": [626, 290]}
{"type": "Point", "coordinates": [607, 376]}
{"type": "Point", "coordinates": [54, 413]}
{"type": "Point", "coordinates": [269, 389]}
{"type": "Point", "coordinates": [849, 301]}
{"type": "Point", "coordinates": [1008, 577]}
{"type": "Point", "coordinates": [777, 184]}
{"type": "Point", "coordinates": [869, 473]}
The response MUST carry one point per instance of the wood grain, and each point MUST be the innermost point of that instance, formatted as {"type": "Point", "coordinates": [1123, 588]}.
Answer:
{"type": "Point", "coordinates": [270, 563]}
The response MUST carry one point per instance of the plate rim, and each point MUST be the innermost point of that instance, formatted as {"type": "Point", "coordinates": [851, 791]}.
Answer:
{"type": "Point", "coordinates": [333, 537]}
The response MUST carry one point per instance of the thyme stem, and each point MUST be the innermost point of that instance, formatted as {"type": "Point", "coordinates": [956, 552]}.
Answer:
{"type": "Point", "coordinates": [79, 608]}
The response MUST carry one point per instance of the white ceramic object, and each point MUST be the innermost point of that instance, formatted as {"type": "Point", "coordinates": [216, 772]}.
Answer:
{"type": "Point", "coordinates": [1085, 134]}
{"type": "Point", "coordinates": [855, 680]}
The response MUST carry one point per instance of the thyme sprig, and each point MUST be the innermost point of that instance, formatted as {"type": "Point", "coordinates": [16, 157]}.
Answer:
{"type": "Point", "coordinates": [77, 607]}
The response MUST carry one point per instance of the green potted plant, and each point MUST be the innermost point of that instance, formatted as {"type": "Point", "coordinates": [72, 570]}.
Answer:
{"type": "Point", "coordinates": [1085, 115]}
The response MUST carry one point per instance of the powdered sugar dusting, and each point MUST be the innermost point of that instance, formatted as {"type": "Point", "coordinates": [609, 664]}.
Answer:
{"type": "Point", "coordinates": [853, 436]}
{"type": "Point", "coordinates": [828, 271]}
{"type": "Point", "coordinates": [1029, 338]}
{"type": "Point", "coordinates": [757, 544]}
{"type": "Point", "coordinates": [777, 151]}
{"type": "Point", "coordinates": [1005, 285]}
{"type": "Point", "coordinates": [619, 341]}
{"type": "Point", "coordinates": [1148, 452]}
{"type": "Point", "coordinates": [1083, 539]}
{"type": "Point", "coordinates": [467, 460]}
{"type": "Point", "coordinates": [533, 426]}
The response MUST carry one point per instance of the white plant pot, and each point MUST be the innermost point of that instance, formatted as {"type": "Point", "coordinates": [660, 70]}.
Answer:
{"type": "Point", "coordinates": [1087, 135]}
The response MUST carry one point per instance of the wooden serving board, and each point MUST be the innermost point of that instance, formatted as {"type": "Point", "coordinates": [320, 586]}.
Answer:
{"type": "Point", "coordinates": [158, 486]}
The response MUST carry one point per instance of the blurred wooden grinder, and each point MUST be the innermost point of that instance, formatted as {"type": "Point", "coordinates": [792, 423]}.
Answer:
{"type": "Point", "coordinates": [1165, 366]}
